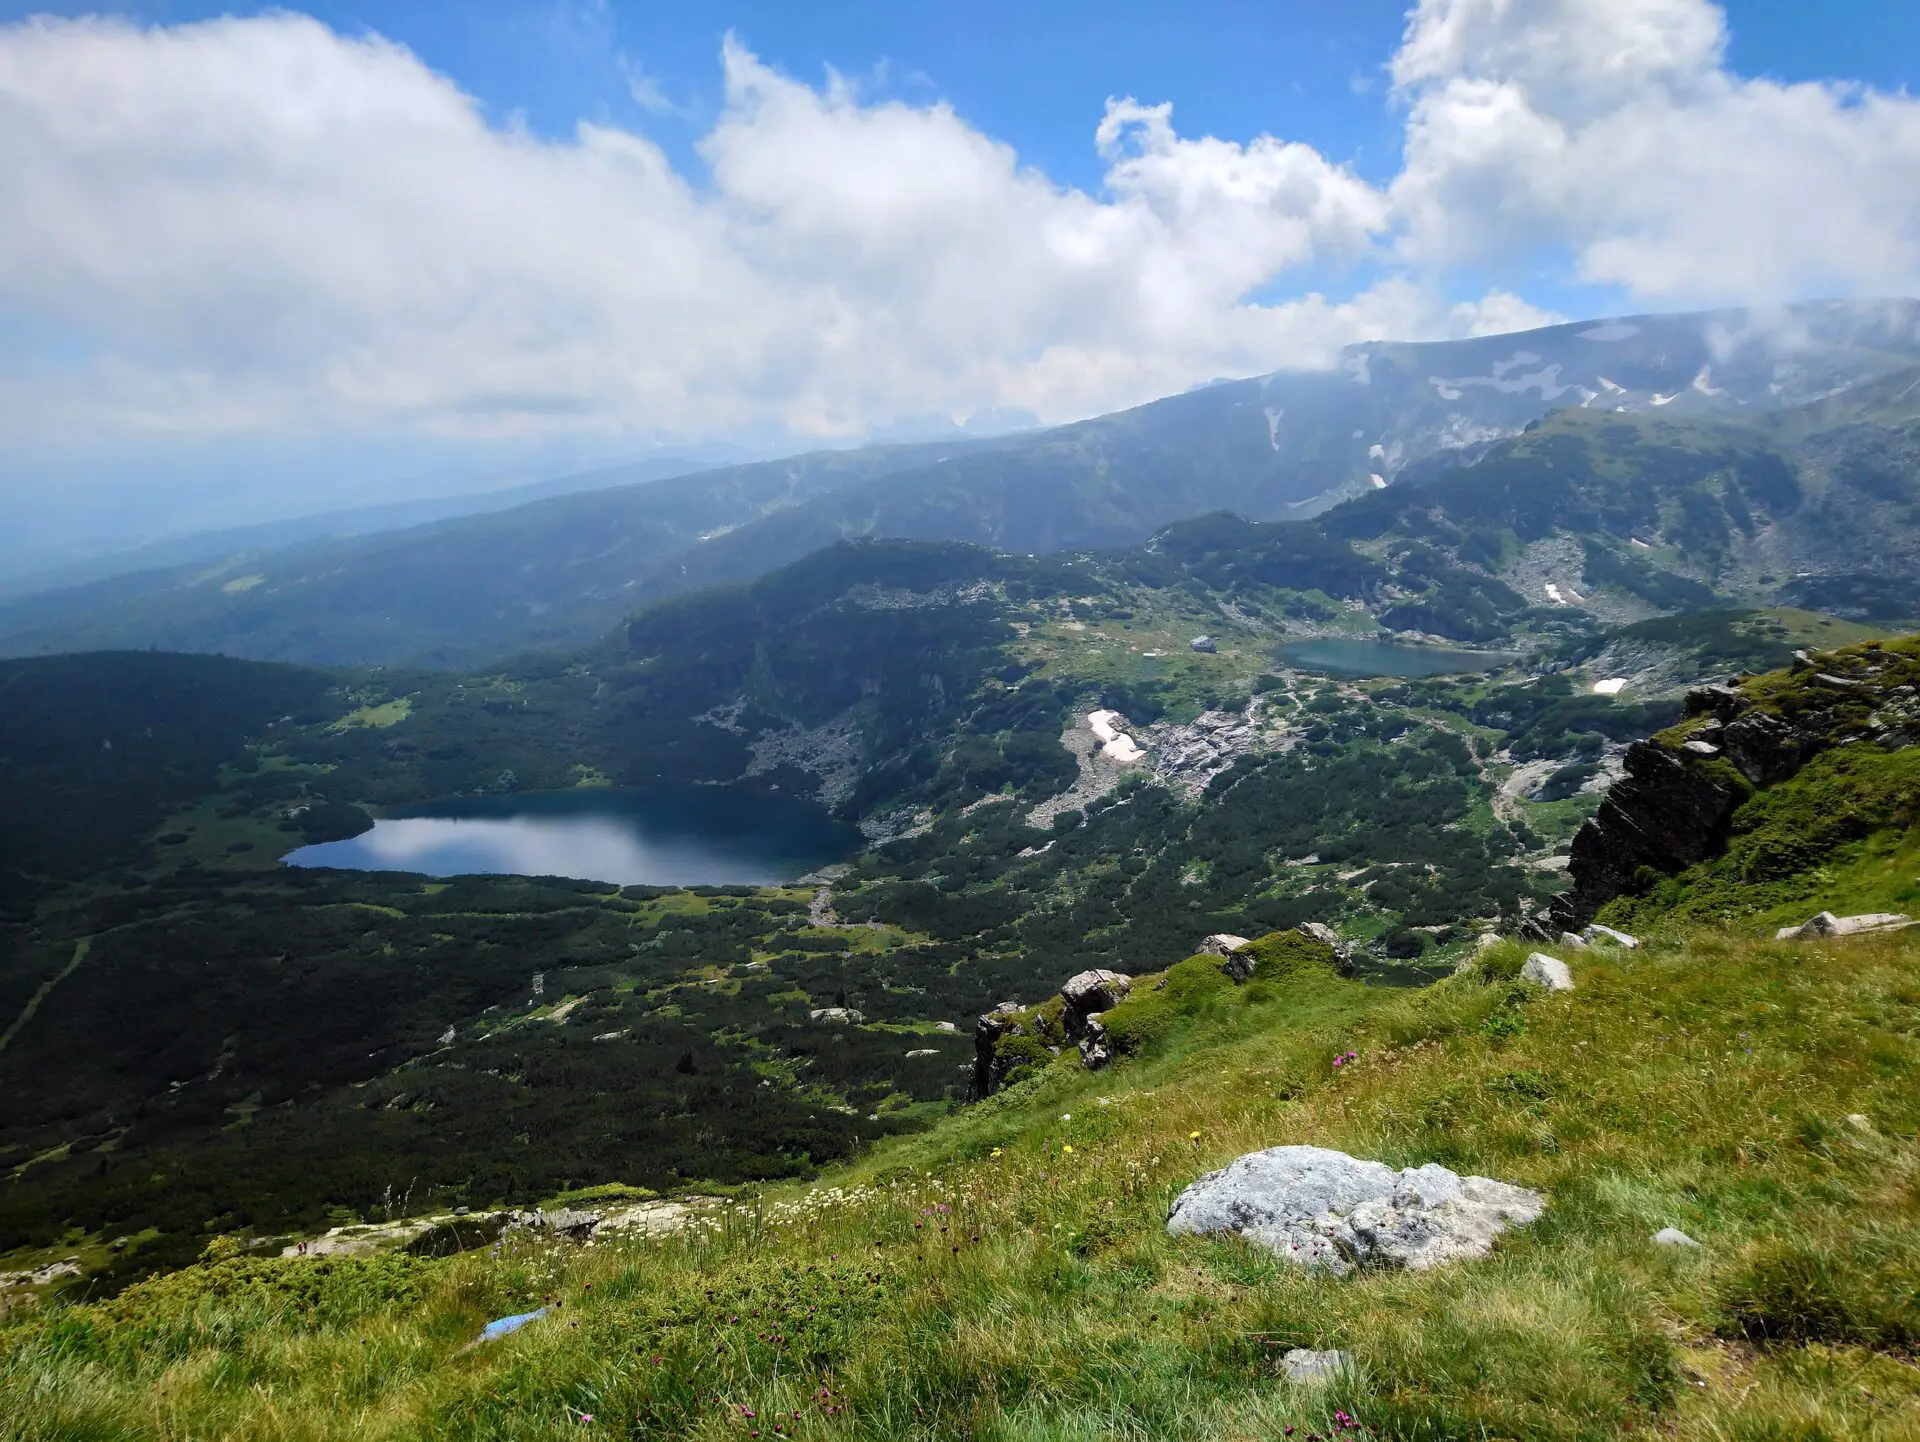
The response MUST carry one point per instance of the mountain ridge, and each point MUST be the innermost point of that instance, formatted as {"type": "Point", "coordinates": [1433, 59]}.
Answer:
{"type": "Point", "coordinates": [561, 572]}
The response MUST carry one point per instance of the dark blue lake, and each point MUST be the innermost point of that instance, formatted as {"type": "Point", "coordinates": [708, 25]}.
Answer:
{"type": "Point", "coordinates": [1386, 658]}
{"type": "Point", "coordinates": [665, 836]}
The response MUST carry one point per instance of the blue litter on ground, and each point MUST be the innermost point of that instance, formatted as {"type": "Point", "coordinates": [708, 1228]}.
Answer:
{"type": "Point", "coordinates": [505, 1325]}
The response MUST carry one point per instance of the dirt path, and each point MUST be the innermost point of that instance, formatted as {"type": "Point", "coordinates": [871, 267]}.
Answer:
{"type": "Point", "coordinates": [80, 950]}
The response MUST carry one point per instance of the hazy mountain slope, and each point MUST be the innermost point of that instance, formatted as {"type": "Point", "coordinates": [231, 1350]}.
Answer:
{"type": "Point", "coordinates": [555, 572]}
{"type": "Point", "coordinates": [158, 562]}
{"type": "Point", "coordinates": [559, 572]}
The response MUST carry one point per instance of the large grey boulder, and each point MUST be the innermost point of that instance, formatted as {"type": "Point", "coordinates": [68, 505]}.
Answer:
{"type": "Point", "coordinates": [1547, 971]}
{"type": "Point", "coordinates": [1088, 994]}
{"type": "Point", "coordinates": [1827, 924]}
{"type": "Point", "coordinates": [1328, 1211]}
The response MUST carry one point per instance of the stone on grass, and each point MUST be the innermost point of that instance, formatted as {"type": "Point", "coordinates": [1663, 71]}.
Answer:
{"type": "Point", "coordinates": [1228, 947]}
{"type": "Point", "coordinates": [1597, 932]}
{"type": "Point", "coordinates": [1547, 971]}
{"type": "Point", "coordinates": [1569, 938]}
{"type": "Point", "coordinates": [836, 1015]}
{"type": "Point", "coordinates": [1331, 1212]}
{"type": "Point", "coordinates": [1827, 924]}
{"type": "Point", "coordinates": [1221, 943]}
{"type": "Point", "coordinates": [1673, 1237]}
{"type": "Point", "coordinates": [1310, 1368]}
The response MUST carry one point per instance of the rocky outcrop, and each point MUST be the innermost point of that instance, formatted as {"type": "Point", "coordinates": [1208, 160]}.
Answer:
{"type": "Point", "coordinates": [1672, 808]}
{"type": "Point", "coordinates": [1664, 814]}
{"type": "Point", "coordinates": [1326, 1210]}
{"type": "Point", "coordinates": [1088, 994]}
{"type": "Point", "coordinates": [1096, 1046]}
{"type": "Point", "coordinates": [990, 1063]}
{"type": "Point", "coordinates": [1342, 953]}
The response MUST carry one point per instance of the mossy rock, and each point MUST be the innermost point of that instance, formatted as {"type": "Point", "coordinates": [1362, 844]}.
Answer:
{"type": "Point", "coordinates": [1280, 955]}
{"type": "Point", "coordinates": [1021, 1055]}
{"type": "Point", "coordinates": [1151, 1013]}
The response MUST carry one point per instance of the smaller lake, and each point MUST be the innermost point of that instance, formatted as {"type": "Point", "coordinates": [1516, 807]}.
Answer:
{"type": "Point", "coordinates": [666, 836]}
{"type": "Point", "coordinates": [1387, 658]}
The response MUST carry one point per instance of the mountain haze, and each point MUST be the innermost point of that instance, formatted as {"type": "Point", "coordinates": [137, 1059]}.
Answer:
{"type": "Point", "coordinates": [1288, 445]}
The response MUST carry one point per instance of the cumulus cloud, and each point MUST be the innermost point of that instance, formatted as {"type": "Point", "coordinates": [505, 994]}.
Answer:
{"type": "Point", "coordinates": [1616, 134]}
{"type": "Point", "coordinates": [260, 222]}
{"type": "Point", "coordinates": [261, 225]}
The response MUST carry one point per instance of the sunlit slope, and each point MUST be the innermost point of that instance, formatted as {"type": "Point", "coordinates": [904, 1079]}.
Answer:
{"type": "Point", "coordinates": [1008, 1274]}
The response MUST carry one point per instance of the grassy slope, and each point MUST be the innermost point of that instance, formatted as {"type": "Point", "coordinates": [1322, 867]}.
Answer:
{"type": "Point", "coordinates": [1704, 1082]}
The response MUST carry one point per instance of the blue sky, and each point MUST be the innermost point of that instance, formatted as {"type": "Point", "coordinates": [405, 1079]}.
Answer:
{"type": "Point", "coordinates": [1034, 75]}
{"type": "Point", "coordinates": [279, 248]}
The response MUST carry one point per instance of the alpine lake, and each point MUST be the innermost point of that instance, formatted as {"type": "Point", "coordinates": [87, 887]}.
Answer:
{"type": "Point", "coordinates": [1335, 656]}
{"type": "Point", "coordinates": [658, 836]}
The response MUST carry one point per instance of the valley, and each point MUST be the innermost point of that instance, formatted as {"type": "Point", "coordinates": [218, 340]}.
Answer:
{"type": "Point", "coordinates": [727, 899]}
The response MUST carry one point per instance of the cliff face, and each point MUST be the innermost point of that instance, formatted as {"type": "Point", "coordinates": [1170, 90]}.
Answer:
{"type": "Point", "coordinates": [1674, 806]}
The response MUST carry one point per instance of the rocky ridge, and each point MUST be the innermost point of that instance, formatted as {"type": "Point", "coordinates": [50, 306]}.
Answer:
{"type": "Point", "coordinates": [1673, 807]}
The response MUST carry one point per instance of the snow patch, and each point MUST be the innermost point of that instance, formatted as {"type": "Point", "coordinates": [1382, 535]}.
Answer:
{"type": "Point", "coordinates": [1704, 383]}
{"type": "Point", "coordinates": [1546, 380]}
{"type": "Point", "coordinates": [1273, 426]}
{"type": "Point", "coordinates": [1379, 482]}
{"type": "Point", "coordinates": [1612, 686]}
{"type": "Point", "coordinates": [1115, 744]}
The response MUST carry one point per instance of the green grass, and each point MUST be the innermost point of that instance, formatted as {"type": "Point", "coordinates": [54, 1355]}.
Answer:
{"type": "Point", "coordinates": [1007, 1274]}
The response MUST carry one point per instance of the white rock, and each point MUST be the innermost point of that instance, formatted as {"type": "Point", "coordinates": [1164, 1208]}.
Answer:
{"type": "Point", "coordinates": [1597, 932]}
{"type": "Point", "coordinates": [836, 1015]}
{"type": "Point", "coordinates": [1567, 938]}
{"type": "Point", "coordinates": [1547, 971]}
{"type": "Point", "coordinates": [1673, 1237]}
{"type": "Point", "coordinates": [1827, 924]}
{"type": "Point", "coordinates": [1097, 990]}
{"type": "Point", "coordinates": [1222, 943]}
{"type": "Point", "coordinates": [1332, 1212]}
{"type": "Point", "coordinates": [1310, 1368]}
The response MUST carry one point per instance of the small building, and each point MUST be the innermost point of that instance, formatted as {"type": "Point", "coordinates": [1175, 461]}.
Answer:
{"type": "Point", "coordinates": [1203, 643]}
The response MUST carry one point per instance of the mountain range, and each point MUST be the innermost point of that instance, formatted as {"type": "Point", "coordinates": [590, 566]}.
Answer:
{"type": "Point", "coordinates": [1820, 388]}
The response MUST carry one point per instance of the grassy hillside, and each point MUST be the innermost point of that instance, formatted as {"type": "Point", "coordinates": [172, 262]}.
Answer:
{"type": "Point", "coordinates": [1008, 1274]}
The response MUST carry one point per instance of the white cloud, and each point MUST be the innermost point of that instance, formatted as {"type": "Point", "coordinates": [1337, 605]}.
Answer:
{"type": "Point", "coordinates": [1615, 131]}
{"type": "Point", "coordinates": [260, 225]}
